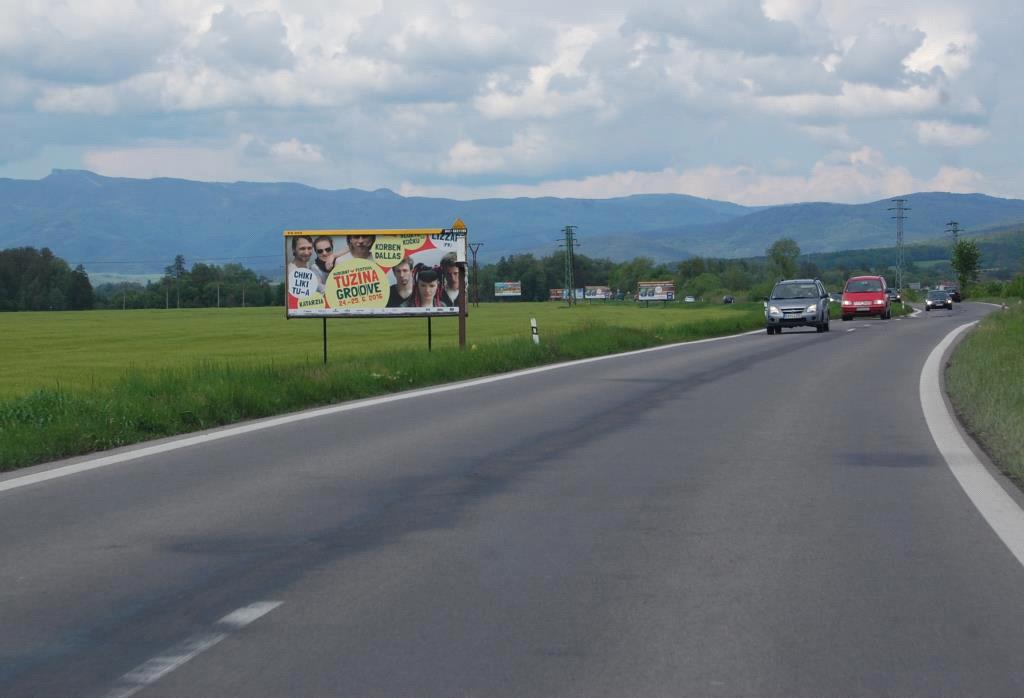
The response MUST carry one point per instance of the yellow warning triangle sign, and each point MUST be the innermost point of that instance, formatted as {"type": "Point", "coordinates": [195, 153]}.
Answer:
{"type": "Point", "coordinates": [458, 224]}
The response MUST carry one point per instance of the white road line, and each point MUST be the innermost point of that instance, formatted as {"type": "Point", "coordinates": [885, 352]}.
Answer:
{"type": "Point", "coordinates": [997, 507]}
{"type": "Point", "coordinates": [148, 673]}
{"type": "Point", "coordinates": [151, 671]}
{"type": "Point", "coordinates": [269, 423]}
{"type": "Point", "coordinates": [247, 614]}
{"type": "Point", "coordinates": [852, 329]}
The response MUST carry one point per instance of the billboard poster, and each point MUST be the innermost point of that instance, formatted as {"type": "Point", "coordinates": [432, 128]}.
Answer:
{"type": "Point", "coordinates": [508, 289]}
{"type": "Point", "coordinates": [557, 294]}
{"type": "Point", "coordinates": [578, 294]}
{"type": "Point", "coordinates": [656, 291]}
{"type": "Point", "coordinates": [373, 273]}
{"type": "Point", "coordinates": [597, 293]}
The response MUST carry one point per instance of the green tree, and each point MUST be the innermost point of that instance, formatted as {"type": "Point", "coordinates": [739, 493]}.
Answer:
{"type": "Point", "coordinates": [966, 262]}
{"type": "Point", "coordinates": [783, 254]}
{"type": "Point", "coordinates": [80, 293]}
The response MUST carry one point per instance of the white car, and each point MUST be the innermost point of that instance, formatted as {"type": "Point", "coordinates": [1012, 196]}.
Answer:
{"type": "Point", "coordinates": [689, 299]}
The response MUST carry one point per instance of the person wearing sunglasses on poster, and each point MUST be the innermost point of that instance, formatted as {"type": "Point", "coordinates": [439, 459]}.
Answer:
{"type": "Point", "coordinates": [323, 250]}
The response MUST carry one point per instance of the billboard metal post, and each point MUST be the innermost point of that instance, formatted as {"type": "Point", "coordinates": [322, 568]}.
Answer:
{"type": "Point", "coordinates": [325, 341]}
{"type": "Point", "coordinates": [430, 335]}
{"type": "Point", "coordinates": [462, 303]}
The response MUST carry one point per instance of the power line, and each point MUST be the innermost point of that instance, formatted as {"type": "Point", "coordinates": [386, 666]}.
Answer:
{"type": "Point", "coordinates": [953, 228]}
{"type": "Point", "coordinates": [899, 209]}
{"type": "Point", "coordinates": [473, 248]}
{"type": "Point", "coordinates": [569, 243]}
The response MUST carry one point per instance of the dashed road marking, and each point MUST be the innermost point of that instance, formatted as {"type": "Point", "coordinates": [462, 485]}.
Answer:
{"type": "Point", "coordinates": [152, 670]}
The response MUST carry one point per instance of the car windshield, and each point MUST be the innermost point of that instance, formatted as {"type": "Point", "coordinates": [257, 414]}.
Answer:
{"type": "Point", "coordinates": [863, 286]}
{"type": "Point", "coordinates": [937, 295]}
{"type": "Point", "coordinates": [785, 291]}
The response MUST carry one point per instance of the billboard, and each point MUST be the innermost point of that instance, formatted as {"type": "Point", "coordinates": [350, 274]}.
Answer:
{"type": "Point", "coordinates": [656, 291]}
{"type": "Point", "coordinates": [508, 289]}
{"type": "Point", "coordinates": [557, 294]}
{"type": "Point", "coordinates": [373, 273]}
{"type": "Point", "coordinates": [597, 293]}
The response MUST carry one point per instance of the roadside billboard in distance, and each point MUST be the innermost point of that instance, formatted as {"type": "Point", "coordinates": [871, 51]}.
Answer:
{"type": "Point", "coordinates": [508, 289]}
{"type": "Point", "coordinates": [373, 273]}
{"type": "Point", "coordinates": [597, 293]}
{"type": "Point", "coordinates": [656, 291]}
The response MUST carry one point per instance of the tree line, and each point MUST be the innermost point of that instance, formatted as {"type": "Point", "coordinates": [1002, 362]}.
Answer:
{"type": "Point", "coordinates": [33, 279]}
{"type": "Point", "coordinates": [202, 286]}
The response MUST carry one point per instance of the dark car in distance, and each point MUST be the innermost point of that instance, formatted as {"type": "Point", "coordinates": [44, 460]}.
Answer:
{"type": "Point", "coordinates": [938, 299]}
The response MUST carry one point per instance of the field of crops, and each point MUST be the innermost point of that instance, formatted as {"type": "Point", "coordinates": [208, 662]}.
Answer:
{"type": "Point", "coordinates": [90, 350]}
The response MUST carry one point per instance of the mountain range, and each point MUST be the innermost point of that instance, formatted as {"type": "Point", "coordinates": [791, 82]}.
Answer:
{"type": "Point", "coordinates": [138, 226]}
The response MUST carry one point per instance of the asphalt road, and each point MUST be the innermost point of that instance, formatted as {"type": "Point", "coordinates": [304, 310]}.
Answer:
{"type": "Point", "coordinates": [759, 515]}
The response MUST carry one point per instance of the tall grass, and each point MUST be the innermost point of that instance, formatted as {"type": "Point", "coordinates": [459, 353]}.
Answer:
{"type": "Point", "coordinates": [985, 381]}
{"type": "Point", "coordinates": [145, 403]}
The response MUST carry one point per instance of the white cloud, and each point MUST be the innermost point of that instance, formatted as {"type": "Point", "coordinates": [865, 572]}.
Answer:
{"type": "Point", "coordinates": [525, 152]}
{"type": "Point", "coordinates": [450, 95]}
{"type": "Point", "coordinates": [845, 177]}
{"type": "Point", "coordinates": [950, 135]}
{"type": "Point", "coordinates": [877, 55]}
{"type": "Point", "coordinates": [296, 151]}
{"type": "Point", "coordinates": [184, 162]}
{"type": "Point", "coordinates": [256, 40]}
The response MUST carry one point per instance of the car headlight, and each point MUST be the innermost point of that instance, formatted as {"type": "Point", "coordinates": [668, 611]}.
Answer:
{"type": "Point", "coordinates": [774, 310]}
{"type": "Point", "coordinates": [879, 302]}
{"type": "Point", "coordinates": [846, 302]}
{"type": "Point", "coordinates": [812, 308]}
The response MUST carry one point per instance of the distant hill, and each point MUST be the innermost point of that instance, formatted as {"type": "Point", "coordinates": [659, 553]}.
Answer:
{"type": "Point", "coordinates": [142, 224]}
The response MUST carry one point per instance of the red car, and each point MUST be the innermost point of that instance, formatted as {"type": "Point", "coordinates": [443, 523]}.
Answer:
{"type": "Point", "coordinates": [865, 296]}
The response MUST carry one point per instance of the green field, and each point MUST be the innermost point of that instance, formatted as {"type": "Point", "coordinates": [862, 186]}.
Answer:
{"type": "Point", "coordinates": [76, 350]}
{"type": "Point", "coordinates": [82, 382]}
{"type": "Point", "coordinates": [985, 380]}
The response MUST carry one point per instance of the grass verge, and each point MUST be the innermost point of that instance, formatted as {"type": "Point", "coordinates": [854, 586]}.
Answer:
{"type": "Point", "coordinates": [146, 403]}
{"type": "Point", "coordinates": [985, 382]}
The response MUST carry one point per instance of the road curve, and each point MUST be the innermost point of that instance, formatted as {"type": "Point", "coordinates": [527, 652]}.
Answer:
{"type": "Point", "coordinates": [760, 515]}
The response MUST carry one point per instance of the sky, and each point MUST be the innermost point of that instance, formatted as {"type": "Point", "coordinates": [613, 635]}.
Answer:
{"type": "Point", "coordinates": [757, 102]}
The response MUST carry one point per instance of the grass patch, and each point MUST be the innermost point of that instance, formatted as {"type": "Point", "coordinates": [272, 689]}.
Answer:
{"type": "Point", "coordinates": [985, 381]}
{"type": "Point", "coordinates": [139, 394]}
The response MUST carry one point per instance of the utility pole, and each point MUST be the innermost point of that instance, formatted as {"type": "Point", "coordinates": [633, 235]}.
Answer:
{"type": "Point", "coordinates": [953, 228]}
{"type": "Point", "coordinates": [569, 243]}
{"type": "Point", "coordinates": [899, 209]}
{"type": "Point", "coordinates": [473, 248]}
{"type": "Point", "coordinates": [218, 295]}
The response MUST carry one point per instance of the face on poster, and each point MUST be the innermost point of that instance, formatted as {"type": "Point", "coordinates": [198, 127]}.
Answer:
{"type": "Point", "coordinates": [359, 273]}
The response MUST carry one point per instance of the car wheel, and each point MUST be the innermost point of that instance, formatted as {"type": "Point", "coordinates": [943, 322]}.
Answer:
{"type": "Point", "coordinates": [770, 330]}
{"type": "Point", "coordinates": [845, 318]}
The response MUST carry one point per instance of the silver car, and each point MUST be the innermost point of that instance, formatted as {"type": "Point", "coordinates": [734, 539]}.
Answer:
{"type": "Point", "coordinates": [797, 303]}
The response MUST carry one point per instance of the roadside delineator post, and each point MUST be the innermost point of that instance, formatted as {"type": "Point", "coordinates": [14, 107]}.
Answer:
{"type": "Point", "coordinates": [533, 330]}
